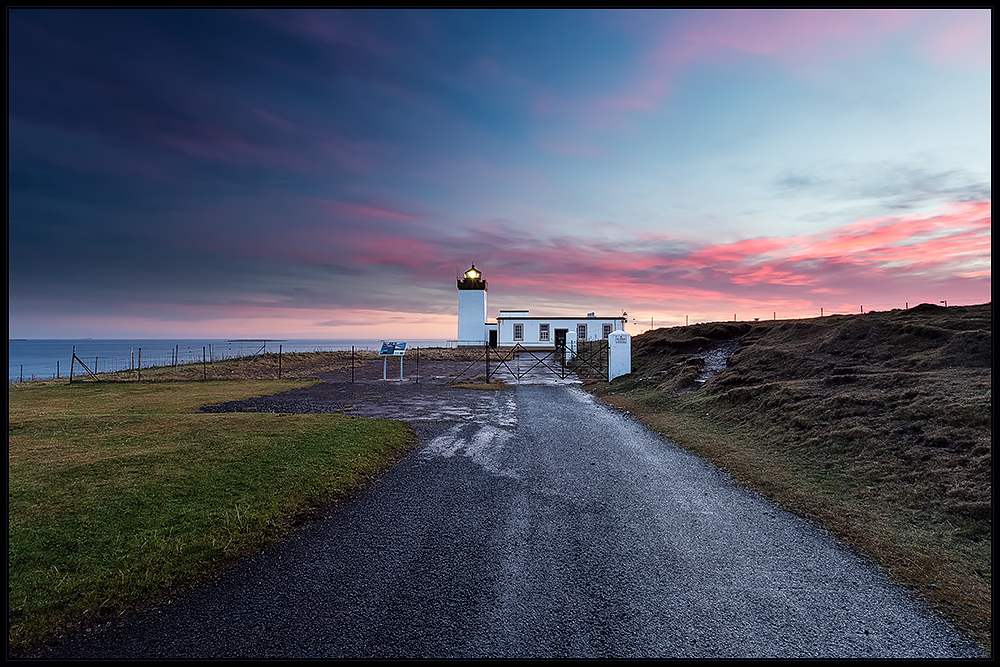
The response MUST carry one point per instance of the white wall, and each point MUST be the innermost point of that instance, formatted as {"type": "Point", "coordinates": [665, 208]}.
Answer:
{"type": "Point", "coordinates": [471, 317]}
{"type": "Point", "coordinates": [595, 329]}
{"type": "Point", "coordinates": [619, 354]}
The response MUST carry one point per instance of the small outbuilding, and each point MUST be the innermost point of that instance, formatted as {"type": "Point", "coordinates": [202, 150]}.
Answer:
{"type": "Point", "coordinates": [520, 328]}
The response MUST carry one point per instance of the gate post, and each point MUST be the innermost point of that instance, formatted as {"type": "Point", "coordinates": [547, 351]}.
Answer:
{"type": "Point", "coordinates": [619, 354]}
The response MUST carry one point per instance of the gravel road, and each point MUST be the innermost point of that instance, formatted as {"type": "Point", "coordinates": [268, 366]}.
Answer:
{"type": "Point", "coordinates": [535, 522]}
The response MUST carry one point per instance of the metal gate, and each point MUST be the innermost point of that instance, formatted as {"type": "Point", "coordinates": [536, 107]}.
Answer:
{"type": "Point", "coordinates": [591, 359]}
{"type": "Point", "coordinates": [520, 362]}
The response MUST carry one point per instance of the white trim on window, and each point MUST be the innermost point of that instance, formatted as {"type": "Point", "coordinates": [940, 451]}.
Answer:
{"type": "Point", "coordinates": [581, 332]}
{"type": "Point", "coordinates": [543, 332]}
{"type": "Point", "coordinates": [606, 330]}
{"type": "Point", "coordinates": [518, 332]}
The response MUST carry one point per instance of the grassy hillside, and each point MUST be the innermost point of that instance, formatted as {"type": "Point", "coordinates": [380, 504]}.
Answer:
{"type": "Point", "coordinates": [878, 426]}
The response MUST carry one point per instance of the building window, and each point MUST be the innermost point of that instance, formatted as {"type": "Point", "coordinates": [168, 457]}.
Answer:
{"type": "Point", "coordinates": [581, 332]}
{"type": "Point", "coordinates": [543, 332]}
{"type": "Point", "coordinates": [518, 332]}
{"type": "Point", "coordinates": [606, 331]}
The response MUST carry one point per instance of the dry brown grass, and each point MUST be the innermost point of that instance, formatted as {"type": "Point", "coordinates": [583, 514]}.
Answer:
{"type": "Point", "coordinates": [479, 383]}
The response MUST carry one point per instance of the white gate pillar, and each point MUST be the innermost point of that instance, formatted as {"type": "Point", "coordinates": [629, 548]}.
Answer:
{"type": "Point", "coordinates": [619, 354]}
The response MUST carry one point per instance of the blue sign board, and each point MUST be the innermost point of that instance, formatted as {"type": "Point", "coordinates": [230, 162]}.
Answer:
{"type": "Point", "coordinates": [392, 349]}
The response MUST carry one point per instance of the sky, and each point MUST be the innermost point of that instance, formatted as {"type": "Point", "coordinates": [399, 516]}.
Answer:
{"type": "Point", "coordinates": [329, 174]}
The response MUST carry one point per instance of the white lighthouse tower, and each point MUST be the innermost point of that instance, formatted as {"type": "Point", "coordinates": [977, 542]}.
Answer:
{"type": "Point", "coordinates": [472, 308]}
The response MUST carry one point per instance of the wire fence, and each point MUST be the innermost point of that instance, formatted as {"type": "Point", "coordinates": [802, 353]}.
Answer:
{"type": "Point", "coordinates": [649, 323]}
{"type": "Point", "coordinates": [51, 360]}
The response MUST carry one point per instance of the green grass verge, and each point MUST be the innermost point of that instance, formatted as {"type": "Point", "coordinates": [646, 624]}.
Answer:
{"type": "Point", "coordinates": [122, 493]}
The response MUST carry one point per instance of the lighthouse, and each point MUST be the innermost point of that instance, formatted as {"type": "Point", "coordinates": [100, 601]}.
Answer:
{"type": "Point", "coordinates": [472, 308]}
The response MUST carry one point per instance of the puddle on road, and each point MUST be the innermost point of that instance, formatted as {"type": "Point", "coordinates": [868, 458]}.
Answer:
{"type": "Point", "coordinates": [478, 407]}
{"type": "Point", "coordinates": [483, 444]}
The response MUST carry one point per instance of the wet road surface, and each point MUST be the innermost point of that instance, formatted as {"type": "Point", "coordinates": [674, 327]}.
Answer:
{"type": "Point", "coordinates": [536, 522]}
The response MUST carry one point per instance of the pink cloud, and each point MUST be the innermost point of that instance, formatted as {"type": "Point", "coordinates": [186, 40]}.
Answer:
{"type": "Point", "coordinates": [774, 276]}
{"type": "Point", "coordinates": [257, 322]}
{"type": "Point", "coordinates": [881, 261]}
{"type": "Point", "coordinates": [959, 231]}
{"type": "Point", "coordinates": [643, 95]}
{"type": "Point", "coordinates": [737, 251]}
{"type": "Point", "coordinates": [378, 249]}
{"type": "Point", "coordinates": [962, 37]}
{"type": "Point", "coordinates": [788, 36]}
{"type": "Point", "coordinates": [965, 227]}
{"type": "Point", "coordinates": [797, 39]}
{"type": "Point", "coordinates": [361, 211]}
{"type": "Point", "coordinates": [792, 33]}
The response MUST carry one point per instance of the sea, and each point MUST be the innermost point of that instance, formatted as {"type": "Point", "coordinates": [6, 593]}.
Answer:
{"type": "Point", "coordinates": [44, 359]}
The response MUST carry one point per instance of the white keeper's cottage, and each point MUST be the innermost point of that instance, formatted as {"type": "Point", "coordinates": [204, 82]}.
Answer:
{"type": "Point", "coordinates": [518, 327]}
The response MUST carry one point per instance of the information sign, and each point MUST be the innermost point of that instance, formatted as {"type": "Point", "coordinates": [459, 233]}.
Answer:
{"type": "Point", "coordinates": [392, 349]}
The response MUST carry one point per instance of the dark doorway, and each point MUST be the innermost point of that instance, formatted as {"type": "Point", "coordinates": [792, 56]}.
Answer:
{"type": "Point", "coordinates": [493, 338]}
{"type": "Point", "coordinates": [561, 338]}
